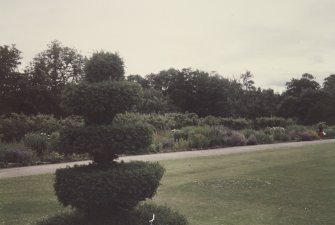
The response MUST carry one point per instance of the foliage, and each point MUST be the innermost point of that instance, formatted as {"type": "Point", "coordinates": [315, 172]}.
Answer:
{"type": "Point", "coordinates": [232, 123]}
{"type": "Point", "coordinates": [38, 142]}
{"type": "Point", "coordinates": [108, 188]}
{"type": "Point", "coordinates": [252, 140]}
{"type": "Point", "coordinates": [236, 139]}
{"type": "Point", "coordinates": [14, 127]}
{"type": "Point", "coordinates": [47, 75]}
{"type": "Point", "coordinates": [44, 123]}
{"type": "Point", "coordinates": [139, 216]}
{"type": "Point", "coordinates": [17, 155]}
{"type": "Point", "coordinates": [308, 135]}
{"type": "Point", "coordinates": [104, 143]}
{"type": "Point", "coordinates": [72, 121]}
{"type": "Point", "coordinates": [246, 81]}
{"type": "Point", "coordinates": [59, 65]}
{"type": "Point", "coordinates": [10, 58]}
{"type": "Point", "coordinates": [159, 122]}
{"type": "Point", "coordinates": [104, 66]}
{"type": "Point", "coordinates": [98, 103]}
{"type": "Point", "coordinates": [263, 122]}
{"type": "Point", "coordinates": [154, 101]}
{"type": "Point", "coordinates": [263, 138]}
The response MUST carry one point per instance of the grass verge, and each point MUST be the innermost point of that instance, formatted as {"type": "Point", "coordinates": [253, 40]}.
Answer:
{"type": "Point", "coordinates": [290, 186]}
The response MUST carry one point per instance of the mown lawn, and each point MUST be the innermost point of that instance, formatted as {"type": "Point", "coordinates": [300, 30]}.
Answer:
{"type": "Point", "coordinates": [289, 186]}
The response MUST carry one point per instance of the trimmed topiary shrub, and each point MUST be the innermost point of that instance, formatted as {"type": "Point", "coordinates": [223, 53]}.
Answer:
{"type": "Point", "coordinates": [110, 188]}
{"type": "Point", "coordinates": [104, 143]}
{"type": "Point", "coordinates": [98, 103]}
{"type": "Point", "coordinates": [106, 188]}
{"type": "Point", "coordinates": [138, 216]}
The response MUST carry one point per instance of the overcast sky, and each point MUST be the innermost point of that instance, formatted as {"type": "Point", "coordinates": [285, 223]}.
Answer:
{"type": "Point", "coordinates": [275, 39]}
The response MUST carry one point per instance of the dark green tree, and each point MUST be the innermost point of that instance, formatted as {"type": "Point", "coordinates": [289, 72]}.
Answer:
{"type": "Point", "coordinates": [247, 82]}
{"type": "Point", "coordinates": [58, 65]}
{"type": "Point", "coordinates": [328, 101]}
{"type": "Point", "coordinates": [48, 74]}
{"type": "Point", "coordinates": [10, 78]}
{"type": "Point", "coordinates": [104, 66]}
{"type": "Point", "coordinates": [302, 99]}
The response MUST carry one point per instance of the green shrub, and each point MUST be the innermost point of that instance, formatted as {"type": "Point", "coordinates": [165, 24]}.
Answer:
{"type": "Point", "coordinates": [181, 134]}
{"type": "Point", "coordinates": [105, 143]}
{"type": "Point", "coordinates": [263, 122]}
{"type": "Point", "coordinates": [14, 127]}
{"type": "Point", "coordinates": [139, 216]}
{"type": "Point", "coordinates": [232, 123]}
{"type": "Point", "coordinates": [72, 121]}
{"type": "Point", "coordinates": [236, 123]}
{"type": "Point", "coordinates": [263, 138]}
{"type": "Point", "coordinates": [38, 142]}
{"type": "Point", "coordinates": [114, 187]}
{"type": "Point", "coordinates": [181, 144]}
{"type": "Point", "coordinates": [278, 133]}
{"type": "Point", "coordinates": [330, 132]}
{"type": "Point", "coordinates": [184, 119]}
{"type": "Point", "coordinates": [18, 155]}
{"type": "Point", "coordinates": [98, 103]}
{"type": "Point", "coordinates": [44, 124]}
{"type": "Point", "coordinates": [53, 157]}
{"type": "Point", "coordinates": [53, 140]}
{"type": "Point", "coordinates": [294, 130]}
{"type": "Point", "coordinates": [252, 140]}
{"type": "Point", "coordinates": [308, 135]}
{"type": "Point", "coordinates": [210, 121]}
{"type": "Point", "coordinates": [236, 139]}
{"type": "Point", "coordinates": [248, 132]}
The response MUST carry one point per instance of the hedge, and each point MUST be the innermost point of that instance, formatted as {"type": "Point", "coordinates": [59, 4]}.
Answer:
{"type": "Point", "coordinates": [113, 187]}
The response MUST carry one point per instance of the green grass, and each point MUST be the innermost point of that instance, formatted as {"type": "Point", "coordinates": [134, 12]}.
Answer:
{"type": "Point", "coordinates": [290, 186]}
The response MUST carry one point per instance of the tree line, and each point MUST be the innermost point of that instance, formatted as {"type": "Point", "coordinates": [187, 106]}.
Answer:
{"type": "Point", "coordinates": [40, 87]}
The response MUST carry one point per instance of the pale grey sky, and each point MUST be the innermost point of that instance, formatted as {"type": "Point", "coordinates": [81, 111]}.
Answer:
{"type": "Point", "coordinates": [275, 39]}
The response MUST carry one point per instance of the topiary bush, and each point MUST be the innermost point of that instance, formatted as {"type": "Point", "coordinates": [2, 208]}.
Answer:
{"type": "Point", "coordinates": [106, 188]}
{"type": "Point", "coordinates": [105, 143]}
{"type": "Point", "coordinates": [138, 216]}
{"type": "Point", "coordinates": [111, 188]}
{"type": "Point", "coordinates": [99, 102]}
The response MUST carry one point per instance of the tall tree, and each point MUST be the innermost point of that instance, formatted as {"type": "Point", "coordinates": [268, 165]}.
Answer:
{"type": "Point", "coordinates": [104, 66]}
{"type": "Point", "coordinates": [49, 72]}
{"type": "Point", "coordinates": [58, 65]}
{"type": "Point", "coordinates": [302, 99]}
{"type": "Point", "coordinates": [247, 82]}
{"type": "Point", "coordinates": [10, 58]}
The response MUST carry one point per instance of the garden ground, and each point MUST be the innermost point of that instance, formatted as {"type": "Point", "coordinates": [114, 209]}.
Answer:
{"type": "Point", "coordinates": [42, 169]}
{"type": "Point", "coordinates": [290, 186]}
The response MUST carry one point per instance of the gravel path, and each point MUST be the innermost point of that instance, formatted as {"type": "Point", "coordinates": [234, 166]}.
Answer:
{"type": "Point", "coordinates": [43, 169]}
